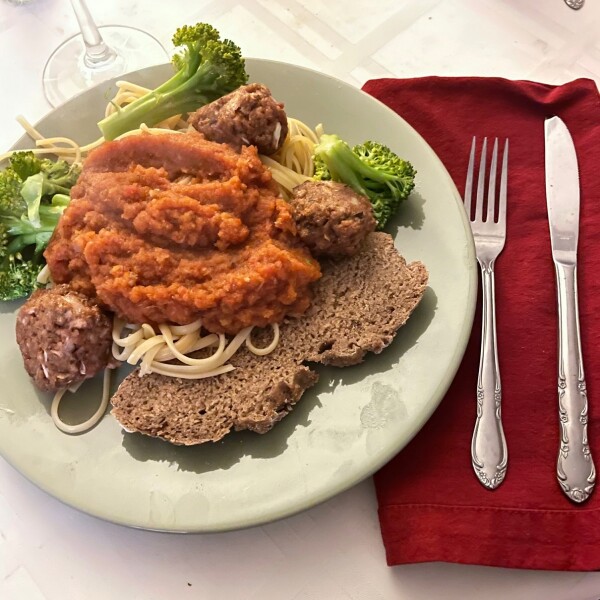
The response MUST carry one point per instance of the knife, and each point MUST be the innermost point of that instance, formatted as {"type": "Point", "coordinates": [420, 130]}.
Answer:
{"type": "Point", "coordinates": [575, 468]}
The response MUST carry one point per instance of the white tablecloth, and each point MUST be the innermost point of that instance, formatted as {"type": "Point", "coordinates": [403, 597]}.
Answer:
{"type": "Point", "coordinates": [52, 552]}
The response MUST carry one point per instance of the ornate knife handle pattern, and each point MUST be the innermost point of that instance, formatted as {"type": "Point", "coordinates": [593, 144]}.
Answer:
{"type": "Point", "coordinates": [575, 467]}
{"type": "Point", "coordinates": [489, 453]}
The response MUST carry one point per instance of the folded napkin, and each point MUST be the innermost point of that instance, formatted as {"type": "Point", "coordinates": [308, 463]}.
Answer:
{"type": "Point", "coordinates": [431, 506]}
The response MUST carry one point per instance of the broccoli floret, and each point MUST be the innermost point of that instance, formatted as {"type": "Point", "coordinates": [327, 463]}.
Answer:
{"type": "Point", "coordinates": [371, 169]}
{"type": "Point", "coordinates": [18, 277]}
{"type": "Point", "coordinates": [207, 68]}
{"type": "Point", "coordinates": [11, 201]}
{"type": "Point", "coordinates": [26, 163]}
{"type": "Point", "coordinates": [3, 241]}
{"type": "Point", "coordinates": [29, 212]}
{"type": "Point", "coordinates": [321, 171]}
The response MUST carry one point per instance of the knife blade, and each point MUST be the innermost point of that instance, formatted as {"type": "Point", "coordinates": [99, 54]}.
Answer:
{"type": "Point", "coordinates": [575, 468]}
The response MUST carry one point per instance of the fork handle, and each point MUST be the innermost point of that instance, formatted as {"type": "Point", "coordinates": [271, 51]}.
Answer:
{"type": "Point", "coordinates": [575, 468]}
{"type": "Point", "coordinates": [489, 454]}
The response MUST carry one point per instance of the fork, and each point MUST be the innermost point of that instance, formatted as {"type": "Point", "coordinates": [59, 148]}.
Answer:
{"type": "Point", "coordinates": [489, 454]}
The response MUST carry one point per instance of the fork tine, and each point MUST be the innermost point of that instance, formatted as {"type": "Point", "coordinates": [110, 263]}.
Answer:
{"type": "Point", "coordinates": [503, 182]}
{"type": "Point", "coordinates": [469, 183]}
{"type": "Point", "coordinates": [492, 184]}
{"type": "Point", "coordinates": [481, 183]}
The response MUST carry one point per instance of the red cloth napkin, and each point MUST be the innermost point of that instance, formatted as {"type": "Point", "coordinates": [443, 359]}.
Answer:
{"type": "Point", "coordinates": [431, 506]}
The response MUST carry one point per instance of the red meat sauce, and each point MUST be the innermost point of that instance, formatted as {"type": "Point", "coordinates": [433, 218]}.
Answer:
{"type": "Point", "coordinates": [171, 228]}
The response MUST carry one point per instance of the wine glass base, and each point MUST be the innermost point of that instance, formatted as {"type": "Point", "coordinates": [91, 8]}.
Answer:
{"type": "Point", "coordinates": [66, 74]}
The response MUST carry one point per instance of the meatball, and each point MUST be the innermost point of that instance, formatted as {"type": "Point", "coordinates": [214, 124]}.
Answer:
{"type": "Point", "coordinates": [64, 337]}
{"type": "Point", "coordinates": [248, 116]}
{"type": "Point", "coordinates": [331, 218]}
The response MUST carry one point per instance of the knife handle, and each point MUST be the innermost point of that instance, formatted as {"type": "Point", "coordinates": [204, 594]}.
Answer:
{"type": "Point", "coordinates": [575, 468]}
{"type": "Point", "coordinates": [489, 453]}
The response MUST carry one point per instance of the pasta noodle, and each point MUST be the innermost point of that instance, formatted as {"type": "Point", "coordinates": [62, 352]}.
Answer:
{"type": "Point", "coordinates": [287, 178]}
{"type": "Point", "coordinates": [293, 163]}
{"type": "Point", "coordinates": [297, 149]}
{"type": "Point", "coordinates": [169, 352]}
{"type": "Point", "coordinates": [93, 420]}
{"type": "Point", "coordinates": [69, 150]}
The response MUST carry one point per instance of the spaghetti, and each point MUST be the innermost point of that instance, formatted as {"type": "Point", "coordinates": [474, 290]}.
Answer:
{"type": "Point", "coordinates": [70, 151]}
{"type": "Point", "coordinates": [293, 163]}
{"type": "Point", "coordinates": [170, 351]}
{"type": "Point", "coordinates": [93, 420]}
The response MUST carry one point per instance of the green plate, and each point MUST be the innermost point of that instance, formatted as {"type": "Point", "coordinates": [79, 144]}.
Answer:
{"type": "Point", "coordinates": [344, 429]}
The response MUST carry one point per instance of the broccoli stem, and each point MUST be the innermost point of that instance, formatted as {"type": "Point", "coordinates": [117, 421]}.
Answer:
{"type": "Point", "coordinates": [19, 243]}
{"type": "Point", "coordinates": [58, 200]}
{"type": "Point", "coordinates": [176, 96]}
{"type": "Point", "coordinates": [207, 68]}
{"type": "Point", "coordinates": [344, 165]}
{"type": "Point", "coordinates": [370, 169]}
{"type": "Point", "coordinates": [155, 108]}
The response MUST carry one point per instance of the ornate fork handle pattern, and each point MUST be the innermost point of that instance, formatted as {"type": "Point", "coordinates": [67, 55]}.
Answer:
{"type": "Point", "coordinates": [575, 468]}
{"type": "Point", "coordinates": [489, 453]}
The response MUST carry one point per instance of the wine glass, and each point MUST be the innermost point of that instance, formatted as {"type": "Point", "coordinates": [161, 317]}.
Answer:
{"type": "Point", "coordinates": [97, 54]}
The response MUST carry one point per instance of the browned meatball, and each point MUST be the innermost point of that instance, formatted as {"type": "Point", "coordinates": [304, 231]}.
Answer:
{"type": "Point", "coordinates": [332, 219]}
{"type": "Point", "coordinates": [64, 337]}
{"type": "Point", "coordinates": [248, 116]}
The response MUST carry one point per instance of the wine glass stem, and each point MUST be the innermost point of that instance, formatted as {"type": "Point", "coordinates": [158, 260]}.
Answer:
{"type": "Point", "coordinates": [97, 53]}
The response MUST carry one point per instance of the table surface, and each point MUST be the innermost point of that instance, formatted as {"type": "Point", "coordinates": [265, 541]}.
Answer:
{"type": "Point", "coordinates": [334, 551]}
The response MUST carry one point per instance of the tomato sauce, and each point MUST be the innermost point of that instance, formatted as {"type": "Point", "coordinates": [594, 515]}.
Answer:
{"type": "Point", "coordinates": [171, 228]}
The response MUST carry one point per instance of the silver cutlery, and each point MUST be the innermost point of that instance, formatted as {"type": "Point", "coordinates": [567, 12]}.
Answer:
{"type": "Point", "coordinates": [489, 453]}
{"type": "Point", "coordinates": [575, 468]}
{"type": "Point", "coordinates": [574, 4]}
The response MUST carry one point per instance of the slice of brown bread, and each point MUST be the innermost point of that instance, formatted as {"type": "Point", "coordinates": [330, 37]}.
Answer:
{"type": "Point", "coordinates": [359, 304]}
